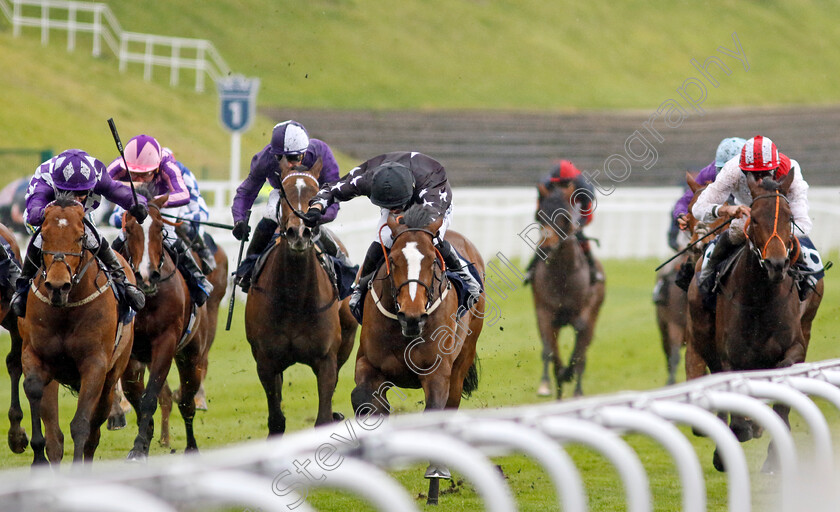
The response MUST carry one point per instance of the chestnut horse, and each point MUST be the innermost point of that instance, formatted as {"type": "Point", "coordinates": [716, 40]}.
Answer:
{"type": "Point", "coordinates": [71, 333]}
{"type": "Point", "coordinates": [293, 314]}
{"type": "Point", "coordinates": [413, 333]}
{"type": "Point", "coordinates": [758, 318]}
{"type": "Point", "coordinates": [563, 293]}
{"type": "Point", "coordinates": [17, 434]}
{"type": "Point", "coordinates": [162, 331]}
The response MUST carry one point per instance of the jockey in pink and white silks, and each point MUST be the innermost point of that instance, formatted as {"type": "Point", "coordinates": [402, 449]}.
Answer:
{"type": "Point", "coordinates": [75, 173]}
{"type": "Point", "coordinates": [760, 157]}
{"type": "Point", "coordinates": [158, 170]}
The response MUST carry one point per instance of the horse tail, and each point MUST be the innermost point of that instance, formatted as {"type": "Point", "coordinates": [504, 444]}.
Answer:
{"type": "Point", "coordinates": [471, 379]}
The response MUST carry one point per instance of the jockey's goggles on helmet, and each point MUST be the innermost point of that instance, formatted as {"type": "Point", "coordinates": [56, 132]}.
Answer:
{"type": "Point", "coordinates": [291, 158]}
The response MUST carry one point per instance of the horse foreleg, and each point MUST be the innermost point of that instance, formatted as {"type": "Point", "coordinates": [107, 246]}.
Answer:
{"type": "Point", "coordinates": [550, 353]}
{"type": "Point", "coordinates": [93, 377]}
{"type": "Point", "coordinates": [188, 361]}
{"type": "Point", "coordinates": [326, 372]}
{"type": "Point", "coordinates": [34, 382]}
{"type": "Point", "coordinates": [436, 388]}
{"type": "Point", "coordinates": [132, 384]}
{"type": "Point", "coordinates": [272, 384]}
{"type": "Point", "coordinates": [162, 353]}
{"type": "Point", "coordinates": [165, 402]}
{"type": "Point", "coordinates": [370, 394]}
{"type": "Point", "coordinates": [52, 429]}
{"type": "Point", "coordinates": [116, 415]}
{"type": "Point", "coordinates": [771, 463]}
{"type": "Point", "coordinates": [100, 415]}
{"type": "Point", "coordinates": [17, 434]}
{"type": "Point", "coordinates": [584, 329]}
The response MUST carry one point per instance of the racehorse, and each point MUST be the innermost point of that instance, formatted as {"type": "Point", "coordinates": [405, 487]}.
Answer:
{"type": "Point", "coordinates": [17, 434]}
{"type": "Point", "coordinates": [71, 333]}
{"type": "Point", "coordinates": [414, 334]}
{"type": "Point", "coordinates": [562, 290]}
{"type": "Point", "coordinates": [293, 313]}
{"type": "Point", "coordinates": [757, 323]}
{"type": "Point", "coordinates": [162, 328]}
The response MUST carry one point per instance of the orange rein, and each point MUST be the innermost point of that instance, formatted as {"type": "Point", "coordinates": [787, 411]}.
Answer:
{"type": "Point", "coordinates": [385, 251]}
{"type": "Point", "coordinates": [775, 234]}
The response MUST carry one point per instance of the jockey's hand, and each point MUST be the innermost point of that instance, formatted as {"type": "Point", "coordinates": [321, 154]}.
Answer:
{"type": "Point", "coordinates": [139, 212]}
{"type": "Point", "coordinates": [682, 221]}
{"type": "Point", "coordinates": [733, 210]}
{"type": "Point", "coordinates": [312, 217]}
{"type": "Point", "coordinates": [241, 230]}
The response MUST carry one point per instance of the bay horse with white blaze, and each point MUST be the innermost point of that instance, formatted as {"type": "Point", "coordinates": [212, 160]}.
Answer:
{"type": "Point", "coordinates": [294, 314]}
{"type": "Point", "coordinates": [162, 330]}
{"type": "Point", "coordinates": [71, 332]}
{"type": "Point", "coordinates": [562, 289]}
{"type": "Point", "coordinates": [413, 333]}
{"type": "Point", "coordinates": [758, 322]}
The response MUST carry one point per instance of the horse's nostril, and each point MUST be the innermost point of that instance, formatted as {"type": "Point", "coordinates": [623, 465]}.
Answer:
{"type": "Point", "coordinates": [48, 286]}
{"type": "Point", "coordinates": [291, 233]}
{"type": "Point", "coordinates": [307, 233]}
{"type": "Point", "coordinates": [155, 275]}
{"type": "Point", "coordinates": [65, 287]}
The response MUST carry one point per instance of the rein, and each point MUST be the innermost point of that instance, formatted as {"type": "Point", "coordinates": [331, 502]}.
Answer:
{"type": "Point", "coordinates": [298, 213]}
{"type": "Point", "coordinates": [762, 255]}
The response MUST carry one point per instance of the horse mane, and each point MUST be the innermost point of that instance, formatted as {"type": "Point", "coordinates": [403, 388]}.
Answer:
{"type": "Point", "coordinates": [554, 202]}
{"type": "Point", "coordinates": [769, 185]}
{"type": "Point", "coordinates": [418, 216]}
{"type": "Point", "coordinates": [65, 198]}
{"type": "Point", "coordinates": [144, 190]}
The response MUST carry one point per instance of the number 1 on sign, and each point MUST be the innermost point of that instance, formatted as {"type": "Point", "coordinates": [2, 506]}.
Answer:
{"type": "Point", "coordinates": [235, 108]}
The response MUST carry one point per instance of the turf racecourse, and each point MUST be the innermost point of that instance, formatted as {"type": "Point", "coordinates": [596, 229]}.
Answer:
{"type": "Point", "coordinates": [625, 355]}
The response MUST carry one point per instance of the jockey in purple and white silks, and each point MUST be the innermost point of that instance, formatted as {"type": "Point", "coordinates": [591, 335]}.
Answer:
{"type": "Point", "coordinates": [76, 173]}
{"type": "Point", "coordinates": [158, 170]}
{"type": "Point", "coordinates": [290, 147]}
{"type": "Point", "coordinates": [394, 182]}
{"type": "Point", "coordinates": [760, 157]}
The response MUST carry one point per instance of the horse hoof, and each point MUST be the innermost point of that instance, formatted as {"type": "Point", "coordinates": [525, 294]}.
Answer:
{"type": "Point", "coordinates": [136, 456]}
{"type": "Point", "coordinates": [200, 404]}
{"type": "Point", "coordinates": [18, 441]}
{"type": "Point", "coordinates": [337, 416]}
{"type": "Point", "coordinates": [718, 462]}
{"type": "Point", "coordinates": [544, 389]}
{"type": "Point", "coordinates": [567, 375]}
{"type": "Point", "coordinates": [116, 422]}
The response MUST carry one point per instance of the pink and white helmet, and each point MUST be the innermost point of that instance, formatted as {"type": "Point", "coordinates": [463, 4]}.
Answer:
{"type": "Point", "coordinates": [759, 154]}
{"type": "Point", "coordinates": [143, 154]}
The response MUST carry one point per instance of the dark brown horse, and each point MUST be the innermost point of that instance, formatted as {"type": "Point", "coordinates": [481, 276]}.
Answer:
{"type": "Point", "coordinates": [71, 333]}
{"type": "Point", "coordinates": [757, 323]}
{"type": "Point", "coordinates": [412, 335]}
{"type": "Point", "coordinates": [161, 330]}
{"type": "Point", "coordinates": [293, 314]}
{"type": "Point", "coordinates": [563, 293]}
{"type": "Point", "coordinates": [17, 434]}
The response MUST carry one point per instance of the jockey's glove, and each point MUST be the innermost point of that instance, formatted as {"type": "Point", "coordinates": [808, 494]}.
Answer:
{"type": "Point", "coordinates": [241, 230]}
{"type": "Point", "coordinates": [139, 212]}
{"type": "Point", "coordinates": [312, 217]}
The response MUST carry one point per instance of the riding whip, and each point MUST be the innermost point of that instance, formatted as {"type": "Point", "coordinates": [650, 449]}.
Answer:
{"type": "Point", "coordinates": [692, 244]}
{"type": "Point", "coordinates": [238, 262]}
{"type": "Point", "coordinates": [122, 154]}
{"type": "Point", "coordinates": [203, 222]}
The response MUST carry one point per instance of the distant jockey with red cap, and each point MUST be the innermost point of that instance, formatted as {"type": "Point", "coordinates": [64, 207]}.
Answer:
{"type": "Point", "coordinates": [760, 158]}
{"type": "Point", "coordinates": [564, 174]}
{"type": "Point", "coordinates": [149, 164]}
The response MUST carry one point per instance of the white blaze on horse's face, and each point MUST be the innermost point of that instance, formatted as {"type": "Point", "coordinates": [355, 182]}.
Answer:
{"type": "Point", "coordinates": [146, 267]}
{"type": "Point", "coordinates": [413, 257]}
{"type": "Point", "coordinates": [300, 185]}
{"type": "Point", "coordinates": [62, 223]}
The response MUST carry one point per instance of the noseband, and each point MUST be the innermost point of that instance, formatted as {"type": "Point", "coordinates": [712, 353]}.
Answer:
{"type": "Point", "coordinates": [762, 254]}
{"type": "Point", "coordinates": [431, 305]}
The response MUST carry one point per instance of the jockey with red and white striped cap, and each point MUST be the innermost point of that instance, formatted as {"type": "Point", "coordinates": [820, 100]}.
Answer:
{"type": "Point", "coordinates": [760, 158]}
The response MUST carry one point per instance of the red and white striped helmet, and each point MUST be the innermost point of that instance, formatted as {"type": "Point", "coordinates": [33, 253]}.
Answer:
{"type": "Point", "coordinates": [759, 154]}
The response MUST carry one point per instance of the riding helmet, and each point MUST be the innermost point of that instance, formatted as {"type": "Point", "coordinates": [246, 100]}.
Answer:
{"type": "Point", "coordinates": [75, 170]}
{"type": "Point", "coordinates": [289, 138]}
{"type": "Point", "coordinates": [142, 154]}
{"type": "Point", "coordinates": [728, 149]}
{"type": "Point", "coordinates": [759, 154]}
{"type": "Point", "coordinates": [393, 186]}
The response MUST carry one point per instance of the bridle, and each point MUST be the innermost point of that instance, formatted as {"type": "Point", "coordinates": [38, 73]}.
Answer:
{"type": "Point", "coordinates": [761, 254]}
{"type": "Point", "coordinates": [295, 174]}
{"type": "Point", "coordinates": [162, 257]}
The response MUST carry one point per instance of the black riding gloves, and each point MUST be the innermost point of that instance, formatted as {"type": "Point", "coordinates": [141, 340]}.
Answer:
{"type": "Point", "coordinates": [312, 217]}
{"type": "Point", "coordinates": [139, 212]}
{"type": "Point", "coordinates": [241, 230]}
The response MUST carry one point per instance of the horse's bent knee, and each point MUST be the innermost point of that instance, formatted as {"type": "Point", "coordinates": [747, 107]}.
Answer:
{"type": "Point", "coordinates": [33, 387]}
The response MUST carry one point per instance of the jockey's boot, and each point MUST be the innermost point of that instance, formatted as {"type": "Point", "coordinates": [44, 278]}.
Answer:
{"type": "Point", "coordinates": [595, 274]}
{"type": "Point", "coordinates": [188, 264]}
{"type": "Point", "coordinates": [13, 271]}
{"type": "Point", "coordinates": [460, 267]}
{"type": "Point", "coordinates": [708, 274]}
{"type": "Point", "coordinates": [684, 275]}
{"type": "Point", "coordinates": [30, 267]}
{"type": "Point", "coordinates": [262, 236]}
{"type": "Point", "coordinates": [196, 241]}
{"type": "Point", "coordinates": [330, 246]}
{"type": "Point", "coordinates": [135, 296]}
{"type": "Point", "coordinates": [373, 258]}
{"type": "Point", "coordinates": [660, 292]}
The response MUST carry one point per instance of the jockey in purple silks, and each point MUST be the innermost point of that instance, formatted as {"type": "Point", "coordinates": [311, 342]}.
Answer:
{"type": "Point", "coordinates": [290, 147]}
{"type": "Point", "coordinates": [148, 164]}
{"type": "Point", "coordinates": [76, 173]}
{"type": "Point", "coordinates": [394, 182]}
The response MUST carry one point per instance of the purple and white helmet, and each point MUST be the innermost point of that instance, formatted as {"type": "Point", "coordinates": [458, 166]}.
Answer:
{"type": "Point", "coordinates": [289, 138]}
{"type": "Point", "coordinates": [76, 170]}
{"type": "Point", "coordinates": [142, 154]}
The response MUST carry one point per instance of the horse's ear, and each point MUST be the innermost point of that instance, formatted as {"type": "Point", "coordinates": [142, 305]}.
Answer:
{"type": "Point", "coordinates": [787, 181]}
{"type": "Point", "coordinates": [434, 227]}
{"type": "Point", "coordinates": [159, 201]}
{"type": "Point", "coordinates": [543, 191]}
{"type": "Point", "coordinates": [692, 184]}
{"type": "Point", "coordinates": [315, 170]}
{"type": "Point", "coordinates": [755, 188]}
{"type": "Point", "coordinates": [393, 223]}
